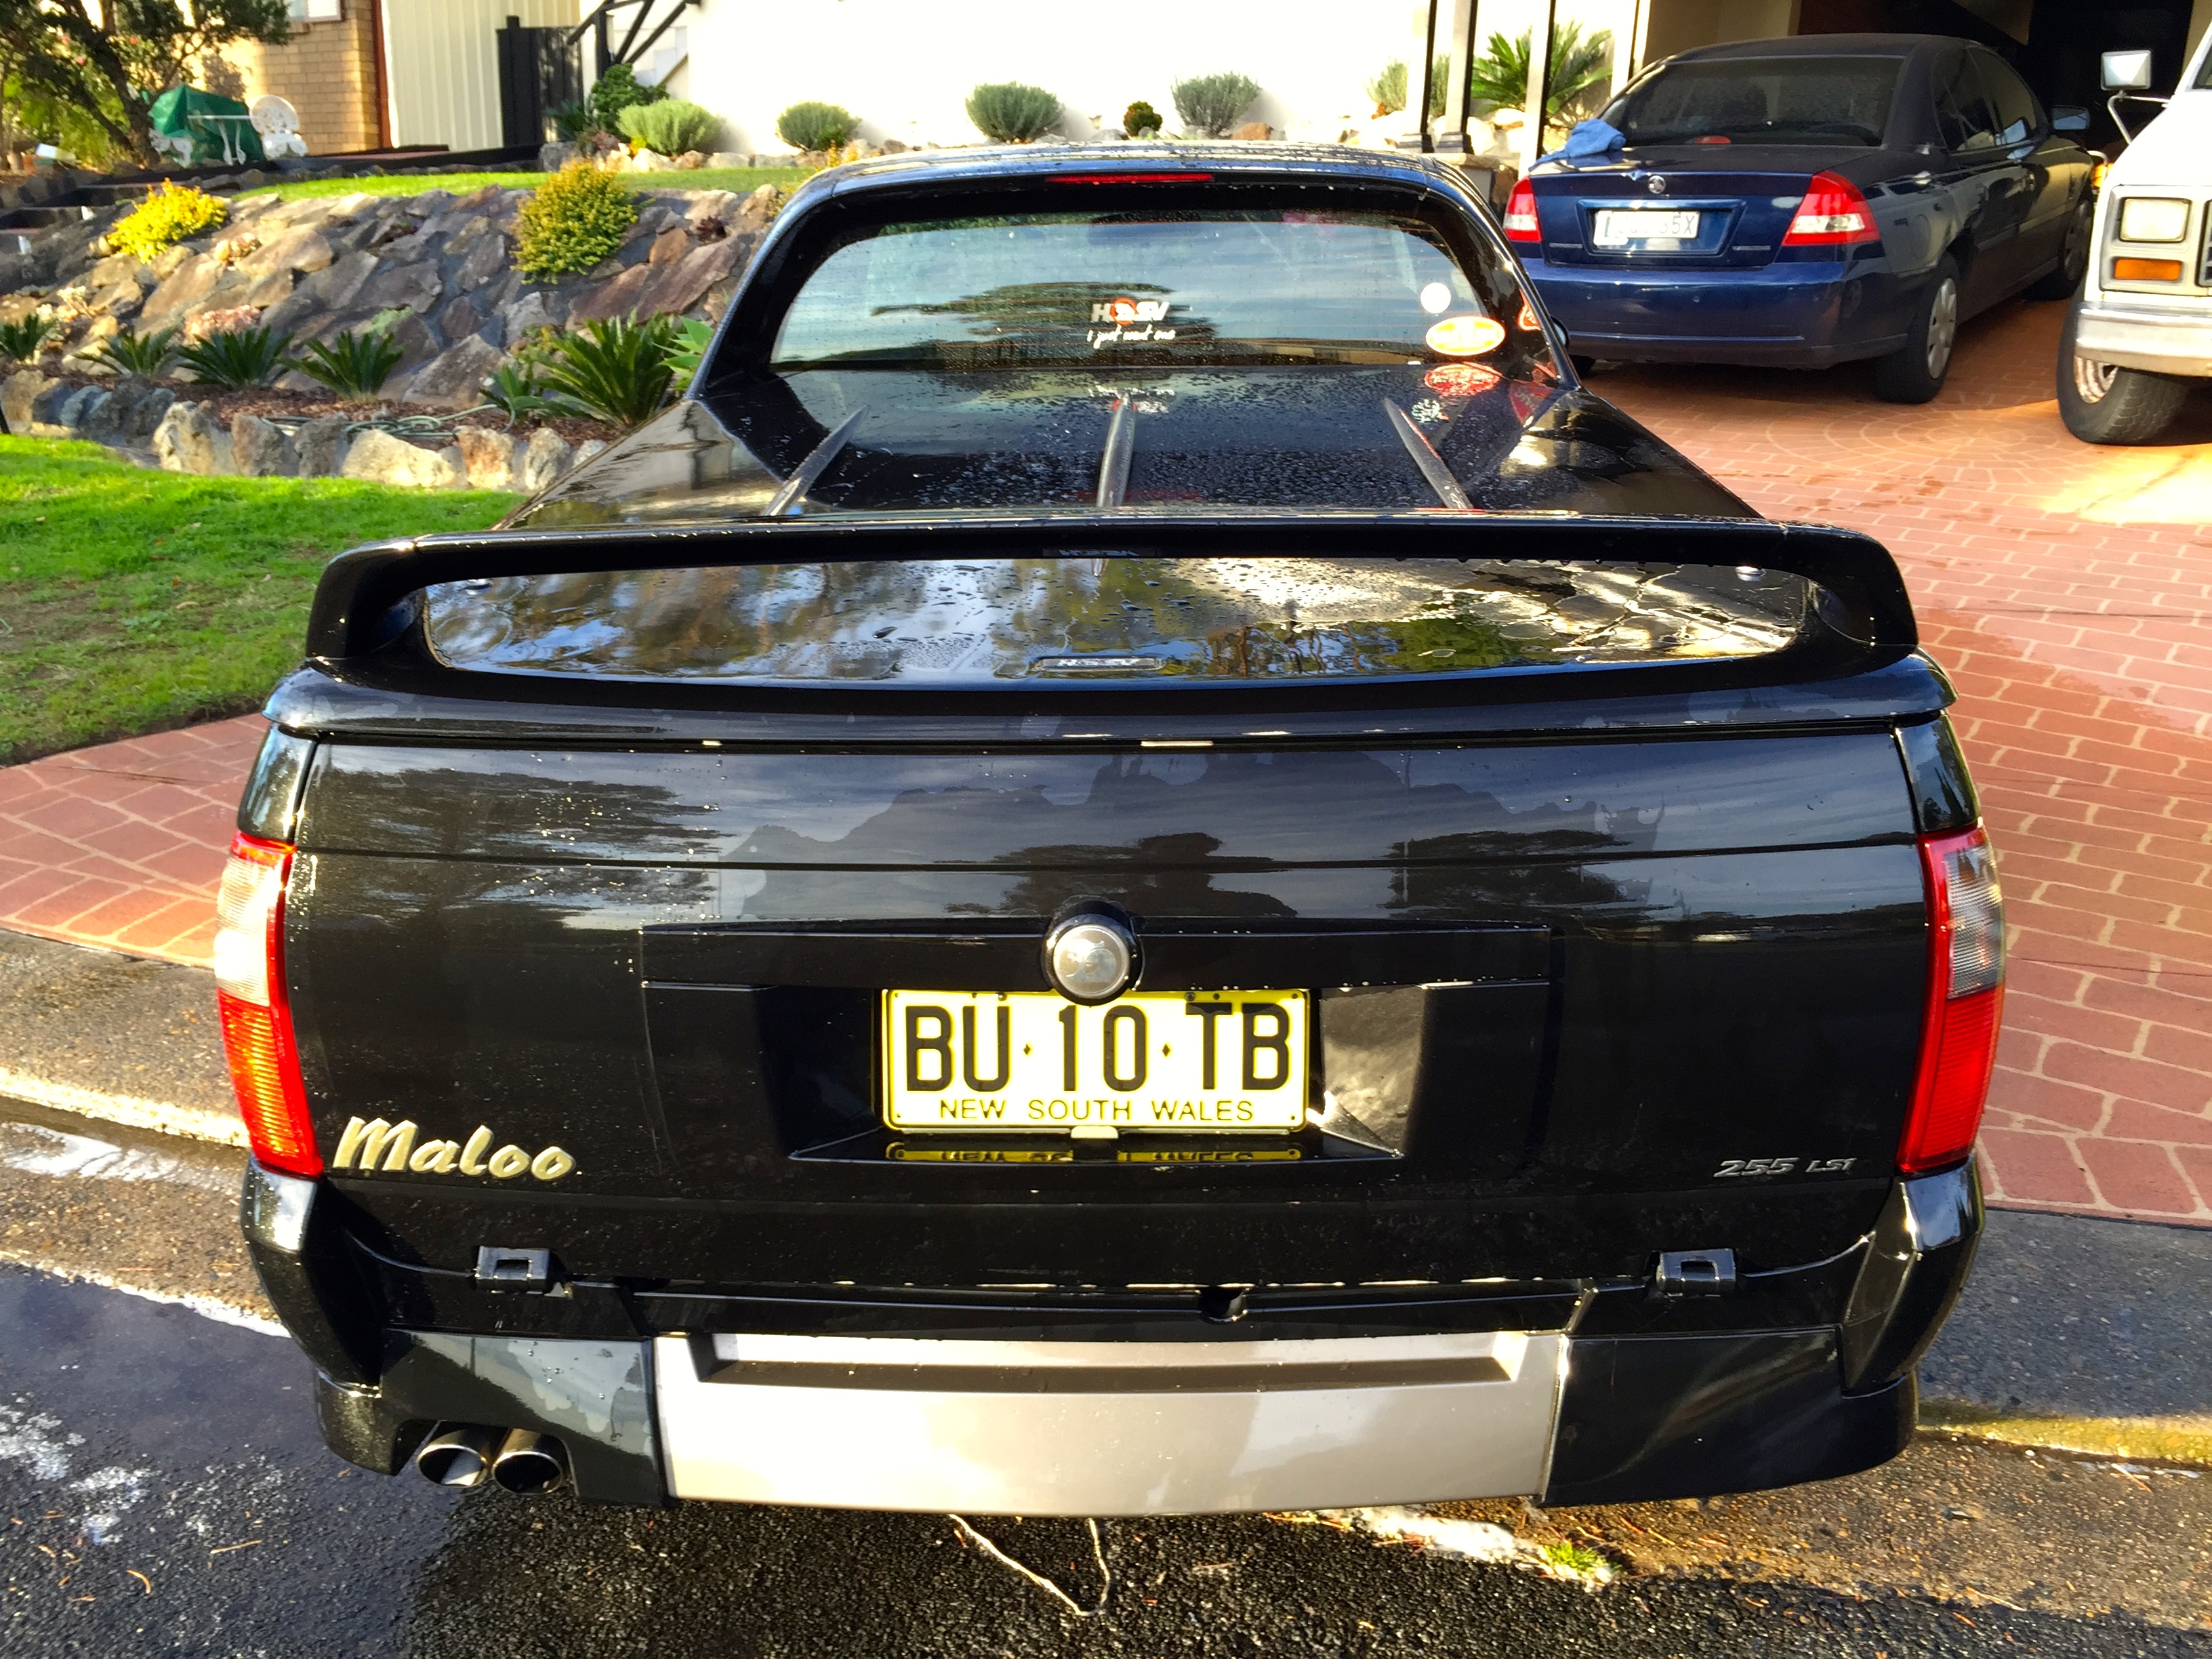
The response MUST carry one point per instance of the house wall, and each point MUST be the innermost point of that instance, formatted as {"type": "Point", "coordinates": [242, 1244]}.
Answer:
{"type": "Point", "coordinates": [442, 59]}
{"type": "Point", "coordinates": [906, 70]}
{"type": "Point", "coordinates": [1677, 25]}
{"type": "Point", "coordinates": [327, 72]}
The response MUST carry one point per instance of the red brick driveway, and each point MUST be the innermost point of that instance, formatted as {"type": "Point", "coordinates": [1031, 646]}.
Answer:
{"type": "Point", "coordinates": [2067, 588]}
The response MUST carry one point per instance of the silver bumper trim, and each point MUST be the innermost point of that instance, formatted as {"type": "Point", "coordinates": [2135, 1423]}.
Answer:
{"type": "Point", "coordinates": [2160, 341]}
{"type": "Point", "coordinates": [1107, 1428]}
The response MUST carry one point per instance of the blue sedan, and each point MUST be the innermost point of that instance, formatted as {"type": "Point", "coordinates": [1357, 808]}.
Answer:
{"type": "Point", "coordinates": [1800, 203]}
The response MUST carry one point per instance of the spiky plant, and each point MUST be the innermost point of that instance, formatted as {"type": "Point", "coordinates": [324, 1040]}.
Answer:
{"type": "Point", "coordinates": [515, 389]}
{"type": "Point", "coordinates": [354, 364]}
{"type": "Point", "coordinates": [618, 371]}
{"type": "Point", "coordinates": [129, 352]}
{"type": "Point", "coordinates": [22, 340]}
{"type": "Point", "coordinates": [1576, 73]}
{"type": "Point", "coordinates": [689, 351]}
{"type": "Point", "coordinates": [237, 359]}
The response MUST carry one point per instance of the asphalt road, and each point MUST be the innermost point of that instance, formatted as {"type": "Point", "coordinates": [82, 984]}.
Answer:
{"type": "Point", "coordinates": [163, 1492]}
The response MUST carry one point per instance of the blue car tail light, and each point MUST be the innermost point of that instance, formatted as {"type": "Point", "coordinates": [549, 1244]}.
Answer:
{"type": "Point", "coordinates": [1832, 214]}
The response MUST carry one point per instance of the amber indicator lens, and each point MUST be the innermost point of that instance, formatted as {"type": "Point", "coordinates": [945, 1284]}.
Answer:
{"type": "Point", "coordinates": [2146, 270]}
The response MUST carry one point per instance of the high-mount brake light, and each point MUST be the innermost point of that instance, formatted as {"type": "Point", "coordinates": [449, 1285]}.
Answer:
{"type": "Point", "coordinates": [1965, 1000]}
{"type": "Point", "coordinates": [255, 1014]}
{"type": "Point", "coordinates": [1521, 215]}
{"type": "Point", "coordinates": [1134, 178]}
{"type": "Point", "coordinates": [1832, 214]}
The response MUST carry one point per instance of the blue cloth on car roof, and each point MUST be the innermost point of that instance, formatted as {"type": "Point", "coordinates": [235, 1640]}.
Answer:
{"type": "Point", "coordinates": [1591, 141]}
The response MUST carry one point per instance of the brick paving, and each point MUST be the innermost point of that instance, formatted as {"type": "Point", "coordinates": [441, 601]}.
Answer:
{"type": "Point", "coordinates": [122, 845]}
{"type": "Point", "coordinates": [2067, 588]}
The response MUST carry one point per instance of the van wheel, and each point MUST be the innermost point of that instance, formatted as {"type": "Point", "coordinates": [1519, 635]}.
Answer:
{"type": "Point", "coordinates": [1914, 373]}
{"type": "Point", "coordinates": [2061, 281]}
{"type": "Point", "coordinates": [2104, 403]}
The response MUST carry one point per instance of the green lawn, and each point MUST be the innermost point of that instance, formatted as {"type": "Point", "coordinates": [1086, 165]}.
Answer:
{"type": "Point", "coordinates": [743, 180]}
{"type": "Point", "coordinates": [132, 601]}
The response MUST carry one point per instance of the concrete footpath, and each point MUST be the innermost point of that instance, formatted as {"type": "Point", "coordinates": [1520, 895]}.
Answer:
{"type": "Point", "coordinates": [2075, 1332]}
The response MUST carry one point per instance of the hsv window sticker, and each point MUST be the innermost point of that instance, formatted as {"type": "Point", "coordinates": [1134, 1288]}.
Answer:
{"type": "Point", "coordinates": [1127, 321]}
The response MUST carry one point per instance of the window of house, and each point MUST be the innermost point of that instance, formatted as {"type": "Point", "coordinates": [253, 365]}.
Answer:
{"type": "Point", "coordinates": [314, 11]}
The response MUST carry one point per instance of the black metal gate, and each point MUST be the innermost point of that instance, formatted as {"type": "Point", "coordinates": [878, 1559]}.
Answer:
{"type": "Point", "coordinates": [539, 70]}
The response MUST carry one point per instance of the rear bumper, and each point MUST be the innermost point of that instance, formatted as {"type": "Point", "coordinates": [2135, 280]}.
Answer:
{"type": "Point", "coordinates": [1107, 1428]}
{"type": "Point", "coordinates": [1214, 1423]}
{"type": "Point", "coordinates": [1786, 316]}
{"type": "Point", "coordinates": [2162, 342]}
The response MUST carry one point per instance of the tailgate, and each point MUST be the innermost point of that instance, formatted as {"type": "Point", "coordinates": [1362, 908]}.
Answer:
{"type": "Point", "coordinates": [1590, 972]}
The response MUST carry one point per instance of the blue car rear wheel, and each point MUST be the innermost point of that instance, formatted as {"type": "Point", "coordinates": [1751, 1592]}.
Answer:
{"type": "Point", "coordinates": [1915, 372]}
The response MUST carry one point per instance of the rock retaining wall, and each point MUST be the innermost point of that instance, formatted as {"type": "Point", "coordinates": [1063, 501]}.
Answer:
{"type": "Point", "coordinates": [150, 425]}
{"type": "Point", "coordinates": [316, 268]}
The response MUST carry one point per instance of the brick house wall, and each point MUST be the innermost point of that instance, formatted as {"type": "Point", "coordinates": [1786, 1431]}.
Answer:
{"type": "Point", "coordinates": [327, 71]}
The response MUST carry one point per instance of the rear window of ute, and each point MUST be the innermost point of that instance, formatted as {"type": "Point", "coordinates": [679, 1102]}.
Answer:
{"type": "Point", "coordinates": [1200, 287]}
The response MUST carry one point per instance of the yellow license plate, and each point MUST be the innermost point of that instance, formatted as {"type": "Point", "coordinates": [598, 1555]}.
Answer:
{"type": "Point", "coordinates": [1230, 1062]}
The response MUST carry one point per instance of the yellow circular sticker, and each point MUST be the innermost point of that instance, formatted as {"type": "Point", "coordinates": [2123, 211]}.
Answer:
{"type": "Point", "coordinates": [1466, 337]}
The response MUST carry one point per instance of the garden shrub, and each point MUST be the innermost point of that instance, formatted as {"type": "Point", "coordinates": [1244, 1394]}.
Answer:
{"type": "Point", "coordinates": [671, 126]}
{"type": "Point", "coordinates": [1008, 112]}
{"type": "Point", "coordinates": [615, 90]}
{"type": "Point", "coordinates": [814, 127]}
{"type": "Point", "coordinates": [1386, 91]}
{"type": "Point", "coordinates": [1212, 105]}
{"type": "Point", "coordinates": [1392, 90]}
{"type": "Point", "coordinates": [572, 221]}
{"type": "Point", "coordinates": [170, 213]}
{"type": "Point", "coordinates": [1140, 119]}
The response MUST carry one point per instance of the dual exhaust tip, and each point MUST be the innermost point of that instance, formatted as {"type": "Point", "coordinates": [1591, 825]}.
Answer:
{"type": "Point", "coordinates": [520, 1460]}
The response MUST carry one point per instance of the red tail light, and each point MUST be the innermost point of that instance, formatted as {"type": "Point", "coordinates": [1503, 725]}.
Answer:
{"type": "Point", "coordinates": [256, 1020]}
{"type": "Point", "coordinates": [1832, 214]}
{"type": "Point", "coordinates": [1966, 996]}
{"type": "Point", "coordinates": [1133, 178]}
{"type": "Point", "coordinates": [1521, 215]}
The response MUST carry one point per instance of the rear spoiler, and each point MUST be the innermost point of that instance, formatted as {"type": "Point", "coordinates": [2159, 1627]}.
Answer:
{"type": "Point", "coordinates": [364, 602]}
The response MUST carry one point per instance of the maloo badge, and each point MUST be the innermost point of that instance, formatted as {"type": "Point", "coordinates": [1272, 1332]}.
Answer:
{"type": "Point", "coordinates": [391, 1147]}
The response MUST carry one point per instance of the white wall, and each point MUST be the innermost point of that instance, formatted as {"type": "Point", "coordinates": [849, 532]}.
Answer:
{"type": "Point", "coordinates": [906, 69]}
{"type": "Point", "coordinates": [441, 64]}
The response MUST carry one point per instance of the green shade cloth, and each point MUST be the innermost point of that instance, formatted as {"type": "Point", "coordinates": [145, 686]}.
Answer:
{"type": "Point", "coordinates": [203, 126]}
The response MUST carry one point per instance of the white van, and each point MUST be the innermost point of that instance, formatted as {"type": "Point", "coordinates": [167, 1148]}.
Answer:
{"type": "Point", "coordinates": [2141, 330]}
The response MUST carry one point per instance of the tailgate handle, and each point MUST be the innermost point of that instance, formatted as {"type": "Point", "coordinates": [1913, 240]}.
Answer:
{"type": "Point", "coordinates": [530, 1269]}
{"type": "Point", "coordinates": [1685, 1274]}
